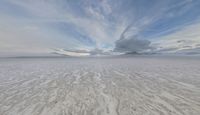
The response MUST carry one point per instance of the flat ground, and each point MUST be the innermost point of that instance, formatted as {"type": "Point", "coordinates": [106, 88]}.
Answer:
{"type": "Point", "coordinates": [100, 86]}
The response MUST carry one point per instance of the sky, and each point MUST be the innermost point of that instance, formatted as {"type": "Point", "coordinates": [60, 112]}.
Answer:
{"type": "Point", "coordinates": [99, 27]}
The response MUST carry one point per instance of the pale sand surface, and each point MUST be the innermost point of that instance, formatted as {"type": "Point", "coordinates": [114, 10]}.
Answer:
{"type": "Point", "coordinates": [100, 86]}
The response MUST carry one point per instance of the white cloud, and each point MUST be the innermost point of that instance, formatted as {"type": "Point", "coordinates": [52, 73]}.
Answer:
{"type": "Point", "coordinates": [184, 39]}
{"type": "Point", "coordinates": [98, 20]}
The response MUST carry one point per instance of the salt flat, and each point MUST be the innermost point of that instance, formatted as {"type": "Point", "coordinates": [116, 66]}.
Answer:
{"type": "Point", "coordinates": [100, 86]}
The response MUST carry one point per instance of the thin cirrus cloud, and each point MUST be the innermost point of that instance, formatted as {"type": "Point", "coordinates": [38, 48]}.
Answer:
{"type": "Point", "coordinates": [40, 26]}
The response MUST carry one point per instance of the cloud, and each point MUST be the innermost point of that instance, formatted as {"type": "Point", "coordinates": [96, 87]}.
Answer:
{"type": "Point", "coordinates": [132, 45]}
{"type": "Point", "coordinates": [78, 53]}
{"type": "Point", "coordinates": [187, 38]}
{"type": "Point", "coordinates": [98, 25]}
{"type": "Point", "coordinates": [194, 51]}
{"type": "Point", "coordinates": [75, 53]}
{"type": "Point", "coordinates": [99, 52]}
{"type": "Point", "coordinates": [129, 41]}
{"type": "Point", "coordinates": [144, 33]}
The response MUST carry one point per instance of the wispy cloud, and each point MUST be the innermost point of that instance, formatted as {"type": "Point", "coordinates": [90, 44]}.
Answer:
{"type": "Point", "coordinates": [184, 39]}
{"type": "Point", "coordinates": [42, 25]}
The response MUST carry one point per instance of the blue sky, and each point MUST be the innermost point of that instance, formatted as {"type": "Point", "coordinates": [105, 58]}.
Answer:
{"type": "Point", "coordinates": [85, 26]}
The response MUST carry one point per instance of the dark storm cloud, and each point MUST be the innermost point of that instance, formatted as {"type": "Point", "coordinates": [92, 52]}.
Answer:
{"type": "Point", "coordinates": [132, 45]}
{"type": "Point", "coordinates": [131, 42]}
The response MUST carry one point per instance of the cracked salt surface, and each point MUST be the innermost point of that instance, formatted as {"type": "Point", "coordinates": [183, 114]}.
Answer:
{"type": "Point", "coordinates": [100, 86]}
